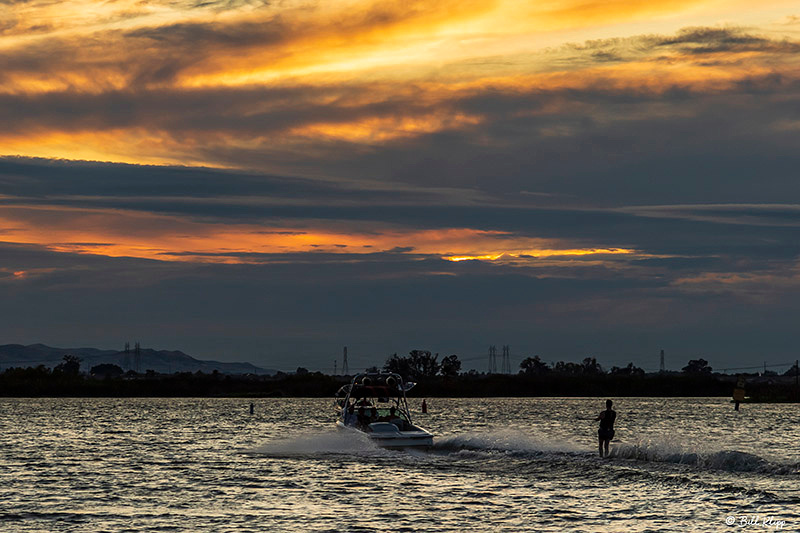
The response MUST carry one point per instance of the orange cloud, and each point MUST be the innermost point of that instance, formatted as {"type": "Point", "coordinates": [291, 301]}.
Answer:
{"type": "Point", "coordinates": [91, 47]}
{"type": "Point", "coordinates": [381, 129]}
{"type": "Point", "coordinates": [372, 72]}
{"type": "Point", "coordinates": [539, 253]}
{"type": "Point", "coordinates": [134, 145]}
{"type": "Point", "coordinates": [168, 238]}
{"type": "Point", "coordinates": [373, 113]}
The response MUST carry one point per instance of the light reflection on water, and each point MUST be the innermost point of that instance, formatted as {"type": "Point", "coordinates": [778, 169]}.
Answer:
{"type": "Point", "coordinates": [498, 465]}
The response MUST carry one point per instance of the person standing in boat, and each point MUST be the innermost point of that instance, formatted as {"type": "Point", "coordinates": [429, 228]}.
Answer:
{"type": "Point", "coordinates": [606, 431]}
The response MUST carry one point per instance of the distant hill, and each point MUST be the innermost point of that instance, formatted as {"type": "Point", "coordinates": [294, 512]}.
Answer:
{"type": "Point", "coordinates": [162, 361]}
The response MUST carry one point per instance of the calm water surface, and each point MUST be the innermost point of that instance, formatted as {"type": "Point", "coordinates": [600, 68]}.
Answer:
{"type": "Point", "coordinates": [115, 465]}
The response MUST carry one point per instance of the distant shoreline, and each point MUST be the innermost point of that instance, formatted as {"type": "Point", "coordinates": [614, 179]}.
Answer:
{"type": "Point", "coordinates": [259, 397]}
{"type": "Point", "coordinates": [41, 383]}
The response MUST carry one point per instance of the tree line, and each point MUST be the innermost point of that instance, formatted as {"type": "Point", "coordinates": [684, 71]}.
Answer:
{"type": "Point", "coordinates": [417, 365]}
{"type": "Point", "coordinates": [421, 364]}
{"type": "Point", "coordinates": [435, 377]}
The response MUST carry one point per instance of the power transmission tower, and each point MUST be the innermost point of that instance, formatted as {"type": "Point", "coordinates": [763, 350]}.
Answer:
{"type": "Point", "coordinates": [506, 359]}
{"type": "Point", "coordinates": [345, 367]}
{"type": "Point", "coordinates": [137, 355]}
{"type": "Point", "coordinates": [493, 359]}
{"type": "Point", "coordinates": [662, 369]}
{"type": "Point", "coordinates": [126, 360]}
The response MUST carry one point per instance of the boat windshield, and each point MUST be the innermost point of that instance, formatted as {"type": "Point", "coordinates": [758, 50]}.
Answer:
{"type": "Point", "coordinates": [374, 398]}
{"type": "Point", "coordinates": [387, 415]}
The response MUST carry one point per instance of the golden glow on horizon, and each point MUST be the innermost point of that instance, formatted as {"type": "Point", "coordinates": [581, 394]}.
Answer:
{"type": "Point", "coordinates": [538, 253]}
{"type": "Point", "coordinates": [488, 257]}
{"type": "Point", "coordinates": [169, 238]}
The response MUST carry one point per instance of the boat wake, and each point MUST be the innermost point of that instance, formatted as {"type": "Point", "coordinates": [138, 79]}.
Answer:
{"type": "Point", "coordinates": [727, 460]}
{"type": "Point", "coordinates": [506, 441]}
{"type": "Point", "coordinates": [519, 444]}
{"type": "Point", "coordinates": [319, 443]}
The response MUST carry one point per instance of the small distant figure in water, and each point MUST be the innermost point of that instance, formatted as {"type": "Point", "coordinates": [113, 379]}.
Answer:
{"type": "Point", "coordinates": [252, 408]}
{"type": "Point", "coordinates": [606, 431]}
{"type": "Point", "coordinates": [738, 393]}
{"type": "Point", "coordinates": [424, 406]}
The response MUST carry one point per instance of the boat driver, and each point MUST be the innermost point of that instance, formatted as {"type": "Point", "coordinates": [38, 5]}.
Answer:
{"type": "Point", "coordinates": [363, 418]}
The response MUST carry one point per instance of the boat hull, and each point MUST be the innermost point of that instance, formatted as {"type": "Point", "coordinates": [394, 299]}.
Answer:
{"type": "Point", "coordinates": [393, 438]}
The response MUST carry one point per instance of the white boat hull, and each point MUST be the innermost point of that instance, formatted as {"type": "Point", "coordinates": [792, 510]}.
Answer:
{"type": "Point", "coordinates": [391, 437]}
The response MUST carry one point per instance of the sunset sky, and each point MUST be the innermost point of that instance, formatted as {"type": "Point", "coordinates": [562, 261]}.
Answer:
{"type": "Point", "coordinates": [269, 182]}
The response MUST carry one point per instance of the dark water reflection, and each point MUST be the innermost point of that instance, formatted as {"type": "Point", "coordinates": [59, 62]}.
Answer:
{"type": "Point", "coordinates": [498, 465]}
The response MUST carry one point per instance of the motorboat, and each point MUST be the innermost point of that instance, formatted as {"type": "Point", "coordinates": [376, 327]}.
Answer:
{"type": "Point", "coordinates": [375, 404]}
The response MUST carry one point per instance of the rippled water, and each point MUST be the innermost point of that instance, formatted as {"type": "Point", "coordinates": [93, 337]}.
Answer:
{"type": "Point", "coordinates": [530, 464]}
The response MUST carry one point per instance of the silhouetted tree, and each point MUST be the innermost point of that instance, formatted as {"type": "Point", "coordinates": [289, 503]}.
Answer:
{"type": "Point", "coordinates": [399, 365]}
{"type": "Point", "coordinates": [41, 372]}
{"type": "Point", "coordinates": [450, 366]}
{"type": "Point", "coordinates": [568, 368]}
{"type": "Point", "coordinates": [697, 366]}
{"type": "Point", "coordinates": [590, 366]}
{"type": "Point", "coordinates": [424, 364]}
{"type": "Point", "coordinates": [419, 364]}
{"type": "Point", "coordinates": [301, 371]}
{"type": "Point", "coordinates": [373, 369]}
{"type": "Point", "coordinates": [70, 367]}
{"type": "Point", "coordinates": [629, 370]}
{"type": "Point", "coordinates": [533, 366]}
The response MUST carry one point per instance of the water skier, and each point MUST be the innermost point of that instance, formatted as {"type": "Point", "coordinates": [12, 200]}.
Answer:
{"type": "Point", "coordinates": [606, 431]}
